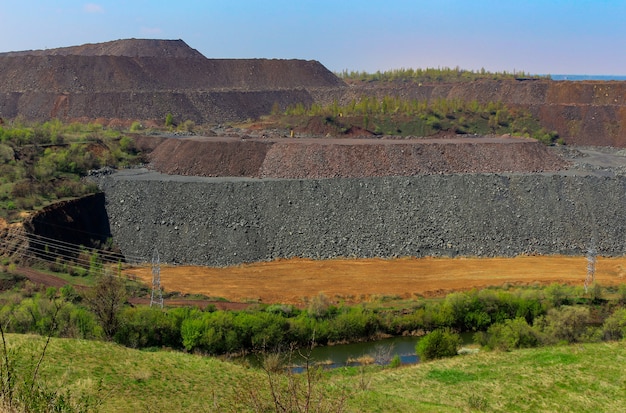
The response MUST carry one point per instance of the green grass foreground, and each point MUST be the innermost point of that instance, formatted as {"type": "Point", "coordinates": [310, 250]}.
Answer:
{"type": "Point", "coordinates": [573, 378]}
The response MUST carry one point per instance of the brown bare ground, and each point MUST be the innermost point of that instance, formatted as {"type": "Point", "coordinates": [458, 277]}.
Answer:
{"type": "Point", "coordinates": [355, 280]}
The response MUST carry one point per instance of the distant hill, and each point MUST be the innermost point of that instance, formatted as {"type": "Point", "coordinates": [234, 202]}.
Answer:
{"type": "Point", "coordinates": [146, 79]}
{"type": "Point", "coordinates": [128, 47]}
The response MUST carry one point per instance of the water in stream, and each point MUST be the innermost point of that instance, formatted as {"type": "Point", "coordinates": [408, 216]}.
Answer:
{"type": "Point", "coordinates": [378, 352]}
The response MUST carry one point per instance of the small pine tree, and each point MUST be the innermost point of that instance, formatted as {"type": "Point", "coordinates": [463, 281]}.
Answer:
{"type": "Point", "coordinates": [169, 120]}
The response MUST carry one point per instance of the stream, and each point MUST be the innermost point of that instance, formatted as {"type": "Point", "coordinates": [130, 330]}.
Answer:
{"type": "Point", "coordinates": [379, 352]}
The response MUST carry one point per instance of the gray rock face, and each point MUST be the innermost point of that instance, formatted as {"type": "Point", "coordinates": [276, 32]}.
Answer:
{"type": "Point", "coordinates": [226, 221]}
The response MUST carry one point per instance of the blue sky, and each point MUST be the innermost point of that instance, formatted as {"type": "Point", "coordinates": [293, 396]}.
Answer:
{"type": "Point", "coordinates": [536, 36]}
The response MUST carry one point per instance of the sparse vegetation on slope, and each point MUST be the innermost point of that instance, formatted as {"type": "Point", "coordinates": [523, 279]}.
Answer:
{"type": "Point", "coordinates": [396, 116]}
{"type": "Point", "coordinates": [43, 163]}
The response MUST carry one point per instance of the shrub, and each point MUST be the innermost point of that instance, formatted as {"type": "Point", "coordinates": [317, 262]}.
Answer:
{"type": "Point", "coordinates": [78, 322]}
{"type": "Point", "coordinates": [614, 327]}
{"type": "Point", "coordinates": [564, 324]}
{"type": "Point", "coordinates": [437, 344]}
{"type": "Point", "coordinates": [187, 126]}
{"type": "Point", "coordinates": [142, 327]}
{"type": "Point", "coordinates": [319, 305]}
{"type": "Point", "coordinates": [127, 145]}
{"type": "Point", "coordinates": [191, 333]}
{"type": "Point", "coordinates": [353, 323]}
{"type": "Point", "coordinates": [395, 362]}
{"type": "Point", "coordinates": [509, 335]}
{"type": "Point", "coordinates": [621, 294]}
{"type": "Point", "coordinates": [558, 294]}
{"type": "Point", "coordinates": [6, 153]}
{"type": "Point", "coordinates": [595, 293]}
{"type": "Point", "coordinates": [283, 309]}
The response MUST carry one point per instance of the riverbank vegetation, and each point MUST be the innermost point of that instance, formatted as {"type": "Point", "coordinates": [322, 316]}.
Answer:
{"type": "Point", "coordinates": [502, 318]}
{"type": "Point", "coordinates": [565, 378]}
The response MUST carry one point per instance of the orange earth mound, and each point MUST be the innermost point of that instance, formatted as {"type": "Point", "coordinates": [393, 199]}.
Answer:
{"type": "Point", "coordinates": [293, 281]}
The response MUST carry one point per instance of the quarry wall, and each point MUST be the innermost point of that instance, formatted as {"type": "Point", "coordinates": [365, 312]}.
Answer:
{"type": "Point", "coordinates": [225, 221]}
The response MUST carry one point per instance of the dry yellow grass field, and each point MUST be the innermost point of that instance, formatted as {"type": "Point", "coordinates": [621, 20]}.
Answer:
{"type": "Point", "coordinates": [354, 280]}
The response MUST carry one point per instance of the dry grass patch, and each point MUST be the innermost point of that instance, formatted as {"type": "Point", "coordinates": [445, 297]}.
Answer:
{"type": "Point", "coordinates": [294, 281]}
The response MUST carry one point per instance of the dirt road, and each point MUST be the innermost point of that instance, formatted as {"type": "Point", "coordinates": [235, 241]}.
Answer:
{"type": "Point", "coordinates": [292, 281]}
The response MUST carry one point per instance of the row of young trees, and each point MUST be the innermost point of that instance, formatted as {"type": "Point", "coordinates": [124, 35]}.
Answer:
{"type": "Point", "coordinates": [441, 74]}
{"type": "Point", "coordinates": [506, 319]}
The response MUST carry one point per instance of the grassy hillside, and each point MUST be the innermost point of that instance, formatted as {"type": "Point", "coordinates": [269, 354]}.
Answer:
{"type": "Point", "coordinates": [574, 378]}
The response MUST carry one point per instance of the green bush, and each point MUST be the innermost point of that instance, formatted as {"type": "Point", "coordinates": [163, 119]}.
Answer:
{"type": "Point", "coordinates": [509, 335]}
{"type": "Point", "coordinates": [191, 332]}
{"type": "Point", "coordinates": [559, 295]}
{"type": "Point", "coordinates": [353, 323]}
{"type": "Point", "coordinates": [614, 327]}
{"type": "Point", "coordinates": [78, 322]}
{"type": "Point", "coordinates": [437, 344]}
{"type": "Point", "coordinates": [395, 362]}
{"type": "Point", "coordinates": [142, 327]}
{"type": "Point", "coordinates": [568, 324]}
{"type": "Point", "coordinates": [187, 126]}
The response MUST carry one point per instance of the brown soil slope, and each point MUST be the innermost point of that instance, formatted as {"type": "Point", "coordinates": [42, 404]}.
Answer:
{"type": "Point", "coordinates": [356, 158]}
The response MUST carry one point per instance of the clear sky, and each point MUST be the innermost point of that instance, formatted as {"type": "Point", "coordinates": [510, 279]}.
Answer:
{"type": "Point", "coordinates": [535, 36]}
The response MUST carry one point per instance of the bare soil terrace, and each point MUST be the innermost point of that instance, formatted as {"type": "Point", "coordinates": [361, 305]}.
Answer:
{"type": "Point", "coordinates": [314, 158]}
{"type": "Point", "coordinates": [293, 281]}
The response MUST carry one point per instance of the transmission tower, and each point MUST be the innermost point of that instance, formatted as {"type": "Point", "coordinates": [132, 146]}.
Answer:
{"type": "Point", "coordinates": [591, 265]}
{"type": "Point", "coordinates": [157, 294]}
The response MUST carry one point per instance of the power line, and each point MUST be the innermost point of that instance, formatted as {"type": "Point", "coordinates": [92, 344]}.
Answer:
{"type": "Point", "coordinates": [63, 250]}
{"type": "Point", "coordinates": [54, 240]}
{"type": "Point", "coordinates": [52, 258]}
{"type": "Point", "coordinates": [100, 271]}
{"type": "Point", "coordinates": [77, 248]}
